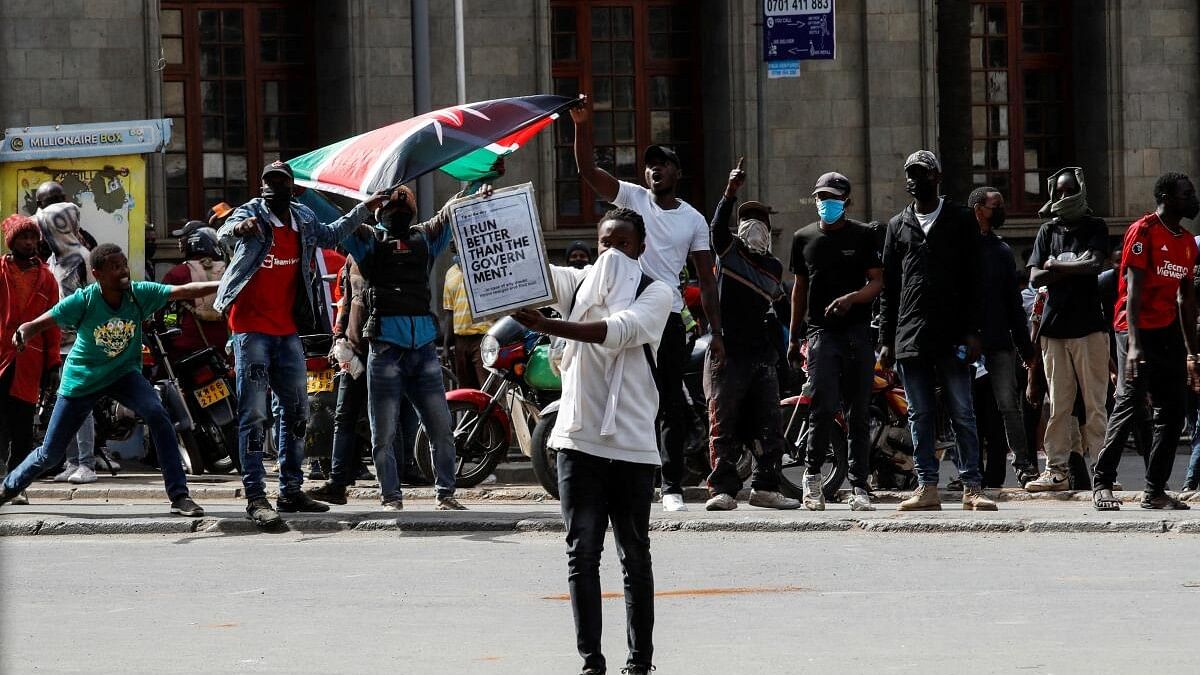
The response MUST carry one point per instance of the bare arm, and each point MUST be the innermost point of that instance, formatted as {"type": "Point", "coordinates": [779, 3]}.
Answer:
{"type": "Point", "coordinates": [598, 179]}
{"type": "Point", "coordinates": [1133, 312]}
{"type": "Point", "coordinates": [581, 331]}
{"type": "Point", "coordinates": [27, 331]}
{"type": "Point", "coordinates": [799, 307]}
{"type": "Point", "coordinates": [196, 289]}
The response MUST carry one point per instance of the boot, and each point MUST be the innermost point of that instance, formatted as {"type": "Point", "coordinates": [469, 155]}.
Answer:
{"type": "Point", "coordinates": [924, 498]}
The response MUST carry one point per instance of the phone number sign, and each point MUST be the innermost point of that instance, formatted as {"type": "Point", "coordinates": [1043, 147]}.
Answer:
{"type": "Point", "coordinates": [797, 30]}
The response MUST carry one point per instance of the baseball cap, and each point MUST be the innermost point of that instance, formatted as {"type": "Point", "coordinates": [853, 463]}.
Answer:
{"type": "Point", "coordinates": [751, 208]}
{"type": "Point", "coordinates": [278, 167]}
{"type": "Point", "coordinates": [833, 182]}
{"type": "Point", "coordinates": [188, 228]}
{"type": "Point", "coordinates": [660, 152]}
{"type": "Point", "coordinates": [924, 158]}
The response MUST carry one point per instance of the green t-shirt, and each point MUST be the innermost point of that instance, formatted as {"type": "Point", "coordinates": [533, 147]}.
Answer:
{"type": "Point", "coordinates": [109, 344]}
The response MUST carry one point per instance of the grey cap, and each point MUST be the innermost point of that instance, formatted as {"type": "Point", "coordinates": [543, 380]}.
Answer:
{"type": "Point", "coordinates": [924, 158]}
{"type": "Point", "coordinates": [188, 228]}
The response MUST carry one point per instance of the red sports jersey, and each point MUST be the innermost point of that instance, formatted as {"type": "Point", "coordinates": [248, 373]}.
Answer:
{"type": "Point", "coordinates": [265, 304]}
{"type": "Point", "coordinates": [1166, 259]}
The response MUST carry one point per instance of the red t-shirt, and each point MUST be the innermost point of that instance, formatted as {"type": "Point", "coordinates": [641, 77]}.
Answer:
{"type": "Point", "coordinates": [265, 304]}
{"type": "Point", "coordinates": [1166, 260]}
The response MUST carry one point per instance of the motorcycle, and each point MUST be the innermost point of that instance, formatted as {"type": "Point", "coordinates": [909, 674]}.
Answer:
{"type": "Point", "coordinates": [484, 421]}
{"type": "Point", "coordinates": [322, 400]}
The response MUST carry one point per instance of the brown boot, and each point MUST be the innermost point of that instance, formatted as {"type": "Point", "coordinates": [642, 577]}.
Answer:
{"type": "Point", "coordinates": [924, 498]}
{"type": "Point", "coordinates": [975, 500]}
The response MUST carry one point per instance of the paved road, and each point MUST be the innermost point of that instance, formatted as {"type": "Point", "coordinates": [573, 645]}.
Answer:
{"type": "Point", "coordinates": [490, 603]}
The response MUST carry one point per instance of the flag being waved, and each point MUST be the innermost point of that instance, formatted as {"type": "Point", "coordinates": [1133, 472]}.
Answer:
{"type": "Point", "coordinates": [464, 141]}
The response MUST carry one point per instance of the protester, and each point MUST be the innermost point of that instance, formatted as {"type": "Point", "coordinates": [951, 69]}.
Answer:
{"type": "Point", "coordinates": [838, 276]}
{"type": "Point", "coordinates": [200, 324]}
{"type": "Point", "coordinates": [396, 259]}
{"type": "Point", "coordinates": [579, 255]}
{"type": "Point", "coordinates": [930, 314]}
{"type": "Point", "coordinates": [1069, 252]}
{"type": "Point", "coordinates": [604, 434]}
{"type": "Point", "coordinates": [106, 360]}
{"type": "Point", "coordinates": [674, 230]}
{"type": "Point", "coordinates": [1005, 337]}
{"type": "Point", "coordinates": [1155, 294]}
{"type": "Point", "coordinates": [27, 290]}
{"type": "Point", "coordinates": [462, 332]}
{"type": "Point", "coordinates": [270, 292]}
{"type": "Point", "coordinates": [743, 387]}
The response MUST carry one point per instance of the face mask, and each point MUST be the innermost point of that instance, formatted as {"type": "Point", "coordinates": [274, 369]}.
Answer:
{"type": "Point", "coordinates": [997, 220]}
{"type": "Point", "coordinates": [277, 200]}
{"type": "Point", "coordinates": [921, 190]}
{"type": "Point", "coordinates": [830, 210]}
{"type": "Point", "coordinates": [577, 264]}
{"type": "Point", "coordinates": [1070, 208]}
{"type": "Point", "coordinates": [395, 220]}
{"type": "Point", "coordinates": [756, 234]}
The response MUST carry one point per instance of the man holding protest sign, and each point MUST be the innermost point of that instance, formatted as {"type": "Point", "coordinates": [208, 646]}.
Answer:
{"type": "Point", "coordinates": [673, 231]}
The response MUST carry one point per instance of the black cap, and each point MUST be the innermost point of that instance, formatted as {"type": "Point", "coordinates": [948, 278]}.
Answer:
{"type": "Point", "coordinates": [188, 228]}
{"type": "Point", "coordinates": [833, 182]}
{"type": "Point", "coordinates": [660, 152]}
{"type": "Point", "coordinates": [751, 209]}
{"type": "Point", "coordinates": [278, 167]}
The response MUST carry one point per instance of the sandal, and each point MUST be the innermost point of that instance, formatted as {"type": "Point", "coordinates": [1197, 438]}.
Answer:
{"type": "Point", "coordinates": [1164, 502]}
{"type": "Point", "coordinates": [1104, 500]}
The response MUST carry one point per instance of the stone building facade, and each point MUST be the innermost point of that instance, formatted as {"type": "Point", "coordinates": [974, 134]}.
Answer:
{"type": "Point", "coordinates": [1005, 90]}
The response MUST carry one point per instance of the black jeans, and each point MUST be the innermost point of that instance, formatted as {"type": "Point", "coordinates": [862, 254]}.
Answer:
{"type": "Point", "coordinates": [594, 491]}
{"type": "Point", "coordinates": [743, 406]}
{"type": "Point", "coordinates": [16, 424]}
{"type": "Point", "coordinates": [841, 366]}
{"type": "Point", "coordinates": [1163, 377]}
{"type": "Point", "coordinates": [672, 413]}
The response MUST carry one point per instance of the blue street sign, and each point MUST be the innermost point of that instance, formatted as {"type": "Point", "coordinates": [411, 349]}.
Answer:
{"type": "Point", "coordinates": [798, 30]}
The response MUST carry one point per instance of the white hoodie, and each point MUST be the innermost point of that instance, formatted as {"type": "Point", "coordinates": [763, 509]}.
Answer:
{"type": "Point", "coordinates": [609, 400]}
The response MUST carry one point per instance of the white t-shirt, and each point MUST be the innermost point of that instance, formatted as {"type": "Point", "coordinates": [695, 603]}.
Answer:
{"type": "Point", "coordinates": [928, 219]}
{"type": "Point", "coordinates": [671, 234]}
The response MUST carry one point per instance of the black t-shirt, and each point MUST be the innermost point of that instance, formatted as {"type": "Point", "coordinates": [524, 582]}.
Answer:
{"type": "Point", "coordinates": [1073, 308]}
{"type": "Point", "coordinates": [834, 263]}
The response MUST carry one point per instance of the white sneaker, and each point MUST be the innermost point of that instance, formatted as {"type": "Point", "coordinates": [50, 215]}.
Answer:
{"type": "Point", "coordinates": [721, 502]}
{"type": "Point", "coordinates": [814, 496]}
{"type": "Point", "coordinates": [673, 502]}
{"type": "Point", "coordinates": [772, 500]}
{"type": "Point", "coordinates": [861, 501]}
{"type": "Point", "coordinates": [69, 470]}
{"type": "Point", "coordinates": [83, 475]}
{"type": "Point", "coordinates": [1049, 481]}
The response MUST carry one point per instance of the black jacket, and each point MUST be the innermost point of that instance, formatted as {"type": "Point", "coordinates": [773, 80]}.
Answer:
{"type": "Point", "coordinates": [1004, 322]}
{"type": "Point", "coordinates": [931, 296]}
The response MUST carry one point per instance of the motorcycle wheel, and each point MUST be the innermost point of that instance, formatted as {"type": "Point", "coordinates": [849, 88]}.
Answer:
{"type": "Point", "coordinates": [791, 470]}
{"type": "Point", "coordinates": [190, 453]}
{"type": "Point", "coordinates": [474, 464]}
{"type": "Point", "coordinates": [545, 458]}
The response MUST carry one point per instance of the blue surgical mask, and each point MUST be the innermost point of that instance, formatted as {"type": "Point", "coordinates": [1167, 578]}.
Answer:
{"type": "Point", "coordinates": [830, 210]}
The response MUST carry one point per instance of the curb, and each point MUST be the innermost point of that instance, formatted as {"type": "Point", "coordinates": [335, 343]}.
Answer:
{"type": "Point", "coordinates": [416, 525]}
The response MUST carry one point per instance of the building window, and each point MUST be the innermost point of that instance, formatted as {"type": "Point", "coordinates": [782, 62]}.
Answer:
{"type": "Point", "coordinates": [1020, 76]}
{"type": "Point", "coordinates": [238, 86]}
{"type": "Point", "coordinates": [638, 62]}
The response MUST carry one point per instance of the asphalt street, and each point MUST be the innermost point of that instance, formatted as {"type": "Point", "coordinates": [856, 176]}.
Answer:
{"type": "Point", "coordinates": [493, 603]}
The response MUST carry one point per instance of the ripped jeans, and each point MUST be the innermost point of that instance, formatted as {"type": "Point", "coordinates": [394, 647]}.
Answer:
{"type": "Point", "coordinates": [270, 363]}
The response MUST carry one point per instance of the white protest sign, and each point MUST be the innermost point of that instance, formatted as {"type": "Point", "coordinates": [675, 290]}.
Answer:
{"type": "Point", "coordinates": [501, 252]}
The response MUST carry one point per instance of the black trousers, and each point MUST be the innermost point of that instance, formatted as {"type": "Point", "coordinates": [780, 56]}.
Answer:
{"type": "Point", "coordinates": [594, 491]}
{"type": "Point", "coordinates": [841, 367]}
{"type": "Point", "coordinates": [743, 406]}
{"type": "Point", "coordinates": [16, 425]}
{"type": "Point", "coordinates": [672, 411]}
{"type": "Point", "coordinates": [1163, 379]}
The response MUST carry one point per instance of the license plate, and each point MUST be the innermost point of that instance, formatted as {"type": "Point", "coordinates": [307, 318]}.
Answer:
{"type": "Point", "coordinates": [214, 392]}
{"type": "Point", "coordinates": [320, 381]}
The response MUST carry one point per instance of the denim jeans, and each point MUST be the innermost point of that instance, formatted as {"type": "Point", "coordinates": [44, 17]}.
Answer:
{"type": "Point", "coordinates": [82, 450]}
{"type": "Point", "coordinates": [593, 492]}
{"type": "Point", "coordinates": [132, 391]}
{"type": "Point", "coordinates": [921, 376]}
{"type": "Point", "coordinates": [392, 374]}
{"type": "Point", "coordinates": [351, 397]}
{"type": "Point", "coordinates": [1193, 470]}
{"type": "Point", "coordinates": [270, 363]}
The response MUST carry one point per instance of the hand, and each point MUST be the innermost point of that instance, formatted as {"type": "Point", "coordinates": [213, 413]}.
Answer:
{"type": "Point", "coordinates": [377, 200]}
{"type": "Point", "coordinates": [246, 228]}
{"type": "Point", "coordinates": [1133, 361]}
{"type": "Point", "coordinates": [974, 348]}
{"type": "Point", "coordinates": [736, 178]}
{"type": "Point", "coordinates": [1031, 394]}
{"type": "Point", "coordinates": [581, 111]}
{"type": "Point", "coordinates": [839, 306]}
{"type": "Point", "coordinates": [886, 358]}
{"type": "Point", "coordinates": [1048, 264]}
{"type": "Point", "coordinates": [485, 191]}
{"type": "Point", "coordinates": [716, 348]}
{"type": "Point", "coordinates": [793, 354]}
{"type": "Point", "coordinates": [18, 338]}
{"type": "Point", "coordinates": [531, 319]}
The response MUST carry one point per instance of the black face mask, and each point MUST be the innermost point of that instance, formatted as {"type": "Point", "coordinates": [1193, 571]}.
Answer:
{"type": "Point", "coordinates": [921, 190]}
{"type": "Point", "coordinates": [276, 200]}
{"type": "Point", "coordinates": [577, 264]}
{"type": "Point", "coordinates": [997, 220]}
{"type": "Point", "coordinates": [396, 221]}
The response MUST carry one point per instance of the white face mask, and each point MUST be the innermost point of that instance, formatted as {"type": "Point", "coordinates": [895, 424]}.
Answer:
{"type": "Point", "coordinates": [756, 234]}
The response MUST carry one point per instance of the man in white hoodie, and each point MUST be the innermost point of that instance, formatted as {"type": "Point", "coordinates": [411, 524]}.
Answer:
{"type": "Point", "coordinates": [605, 434]}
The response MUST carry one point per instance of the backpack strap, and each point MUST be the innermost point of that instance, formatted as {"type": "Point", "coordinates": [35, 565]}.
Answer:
{"type": "Point", "coordinates": [643, 284]}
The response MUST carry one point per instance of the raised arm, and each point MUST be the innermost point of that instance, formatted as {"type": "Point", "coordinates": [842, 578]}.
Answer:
{"type": "Point", "coordinates": [598, 179]}
{"type": "Point", "coordinates": [719, 227]}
